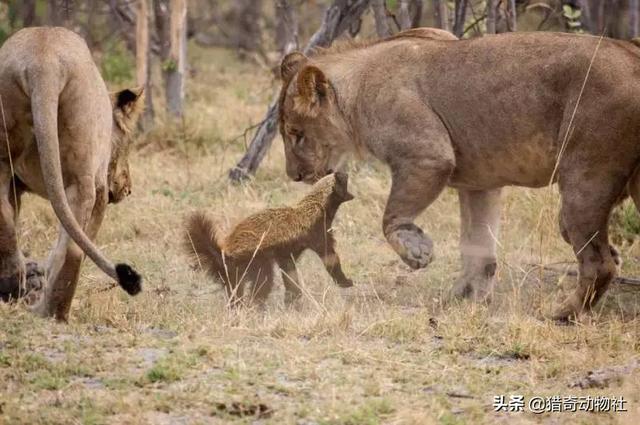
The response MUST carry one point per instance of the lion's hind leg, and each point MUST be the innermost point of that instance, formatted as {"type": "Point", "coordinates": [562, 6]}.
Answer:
{"type": "Point", "coordinates": [63, 266]}
{"type": "Point", "coordinates": [12, 267]}
{"type": "Point", "coordinates": [584, 220]}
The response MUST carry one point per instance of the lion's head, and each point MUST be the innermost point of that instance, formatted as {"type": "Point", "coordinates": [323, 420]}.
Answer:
{"type": "Point", "coordinates": [314, 130]}
{"type": "Point", "coordinates": [127, 106]}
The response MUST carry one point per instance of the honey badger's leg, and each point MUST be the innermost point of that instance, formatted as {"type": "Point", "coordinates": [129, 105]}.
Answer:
{"type": "Point", "coordinates": [232, 282]}
{"type": "Point", "coordinates": [262, 276]}
{"type": "Point", "coordinates": [479, 221]}
{"type": "Point", "coordinates": [12, 267]}
{"type": "Point", "coordinates": [327, 252]}
{"type": "Point", "coordinates": [289, 272]}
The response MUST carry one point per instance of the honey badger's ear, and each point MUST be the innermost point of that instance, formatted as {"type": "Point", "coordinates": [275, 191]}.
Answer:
{"type": "Point", "coordinates": [313, 87]}
{"type": "Point", "coordinates": [127, 106]}
{"type": "Point", "coordinates": [291, 64]}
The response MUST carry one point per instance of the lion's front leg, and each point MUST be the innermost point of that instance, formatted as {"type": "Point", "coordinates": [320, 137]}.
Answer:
{"type": "Point", "coordinates": [12, 267]}
{"type": "Point", "coordinates": [63, 268]}
{"type": "Point", "coordinates": [479, 221]}
{"type": "Point", "coordinates": [414, 187]}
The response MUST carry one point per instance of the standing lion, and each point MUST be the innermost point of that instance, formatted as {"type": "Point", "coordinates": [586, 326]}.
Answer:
{"type": "Point", "coordinates": [523, 109]}
{"type": "Point", "coordinates": [63, 139]}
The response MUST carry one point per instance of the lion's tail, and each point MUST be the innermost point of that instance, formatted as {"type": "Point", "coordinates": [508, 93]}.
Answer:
{"type": "Point", "coordinates": [201, 241]}
{"type": "Point", "coordinates": [44, 106]}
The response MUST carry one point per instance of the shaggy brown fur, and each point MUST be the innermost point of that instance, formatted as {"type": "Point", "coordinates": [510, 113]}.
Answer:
{"type": "Point", "coordinates": [277, 235]}
{"type": "Point", "coordinates": [513, 109]}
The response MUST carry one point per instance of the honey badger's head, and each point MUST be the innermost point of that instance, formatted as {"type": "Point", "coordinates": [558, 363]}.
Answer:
{"type": "Point", "coordinates": [340, 188]}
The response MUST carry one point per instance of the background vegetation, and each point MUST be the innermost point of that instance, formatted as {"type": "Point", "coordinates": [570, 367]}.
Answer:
{"type": "Point", "coordinates": [389, 350]}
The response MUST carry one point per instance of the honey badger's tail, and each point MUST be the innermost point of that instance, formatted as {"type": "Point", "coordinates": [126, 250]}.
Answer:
{"type": "Point", "coordinates": [202, 243]}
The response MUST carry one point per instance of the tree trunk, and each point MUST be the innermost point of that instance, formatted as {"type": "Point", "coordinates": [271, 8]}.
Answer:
{"type": "Point", "coordinates": [409, 14]}
{"type": "Point", "coordinates": [585, 9]}
{"type": "Point", "coordinates": [633, 18]}
{"type": "Point", "coordinates": [247, 35]}
{"type": "Point", "coordinates": [286, 27]}
{"type": "Point", "coordinates": [161, 19]}
{"type": "Point", "coordinates": [491, 16]}
{"type": "Point", "coordinates": [29, 13]}
{"type": "Point", "coordinates": [511, 16]}
{"type": "Point", "coordinates": [380, 16]}
{"type": "Point", "coordinates": [338, 18]}
{"type": "Point", "coordinates": [53, 13]}
{"type": "Point", "coordinates": [404, 17]}
{"type": "Point", "coordinates": [177, 58]}
{"type": "Point", "coordinates": [460, 15]}
{"type": "Point", "coordinates": [441, 13]}
{"type": "Point", "coordinates": [143, 58]}
{"type": "Point", "coordinates": [416, 20]}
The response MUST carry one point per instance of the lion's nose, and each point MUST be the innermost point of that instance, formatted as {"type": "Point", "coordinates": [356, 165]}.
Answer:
{"type": "Point", "coordinates": [298, 177]}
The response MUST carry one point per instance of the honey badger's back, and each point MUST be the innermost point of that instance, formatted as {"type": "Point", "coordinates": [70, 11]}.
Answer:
{"type": "Point", "coordinates": [273, 235]}
{"type": "Point", "coordinates": [276, 228]}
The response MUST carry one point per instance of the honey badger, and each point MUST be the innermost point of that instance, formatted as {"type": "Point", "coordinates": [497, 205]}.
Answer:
{"type": "Point", "coordinates": [273, 236]}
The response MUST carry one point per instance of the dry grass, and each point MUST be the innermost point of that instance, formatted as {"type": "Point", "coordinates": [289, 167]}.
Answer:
{"type": "Point", "coordinates": [389, 350]}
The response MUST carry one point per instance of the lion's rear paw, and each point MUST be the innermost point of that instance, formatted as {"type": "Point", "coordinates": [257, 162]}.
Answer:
{"type": "Point", "coordinates": [413, 246]}
{"type": "Point", "coordinates": [345, 283]}
{"type": "Point", "coordinates": [35, 277]}
{"type": "Point", "coordinates": [11, 278]}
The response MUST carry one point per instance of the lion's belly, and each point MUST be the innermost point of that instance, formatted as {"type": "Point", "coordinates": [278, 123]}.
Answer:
{"type": "Point", "coordinates": [529, 164]}
{"type": "Point", "coordinates": [28, 169]}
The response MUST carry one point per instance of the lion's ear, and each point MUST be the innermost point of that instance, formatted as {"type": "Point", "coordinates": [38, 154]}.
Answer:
{"type": "Point", "coordinates": [291, 64]}
{"type": "Point", "coordinates": [127, 106]}
{"type": "Point", "coordinates": [313, 87]}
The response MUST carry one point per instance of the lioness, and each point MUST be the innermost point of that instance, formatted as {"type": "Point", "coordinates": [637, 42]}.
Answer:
{"type": "Point", "coordinates": [63, 139]}
{"type": "Point", "coordinates": [514, 109]}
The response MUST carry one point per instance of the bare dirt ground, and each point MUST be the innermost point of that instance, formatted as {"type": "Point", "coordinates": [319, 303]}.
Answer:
{"type": "Point", "coordinates": [391, 350]}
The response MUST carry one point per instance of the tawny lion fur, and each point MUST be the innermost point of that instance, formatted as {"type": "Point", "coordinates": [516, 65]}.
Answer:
{"type": "Point", "coordinates": [65, 139]}
{"type": "Point", "coordinates": [273, 236]}
{"type": "Point", "coordinates": [523, 109]}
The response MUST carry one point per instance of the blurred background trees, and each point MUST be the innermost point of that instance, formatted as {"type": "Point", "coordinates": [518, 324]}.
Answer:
{"type": "Point", "coordinates": [145, 41]}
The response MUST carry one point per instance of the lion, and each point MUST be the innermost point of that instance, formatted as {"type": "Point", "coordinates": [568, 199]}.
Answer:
{"type": "Point", "coordinates": [522, 109]}
{"type": "Point", "coordinates": [67, 140]}
{"type": "Point", "coordinates": [273, 236]}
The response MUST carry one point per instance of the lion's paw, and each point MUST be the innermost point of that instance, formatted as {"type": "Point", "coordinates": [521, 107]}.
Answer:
{"type": "Point", "coordinates": [345, 283]}
{"type": "Point", "coordinates": [12, 272]}
{"type": "Point", "coordinates": [35, 277]}
{"type": "Point", "coordinates": [413, 246]}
